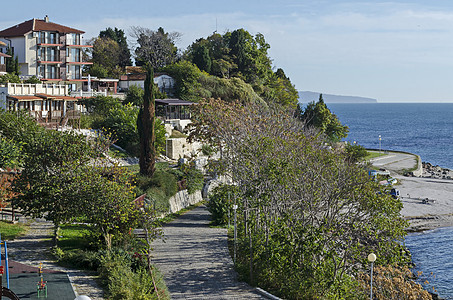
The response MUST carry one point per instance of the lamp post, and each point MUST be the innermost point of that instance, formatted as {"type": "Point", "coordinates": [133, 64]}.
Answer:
{"type": "Point", "coordinates": [379, 144]}
{"type": "Point", "coordinates": [371, 259]}
{"type": "Point", "coordinates": [235, 207]}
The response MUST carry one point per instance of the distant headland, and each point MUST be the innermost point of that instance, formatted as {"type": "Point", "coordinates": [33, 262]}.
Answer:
{"type": "Point", "coordinates": [307, 97]}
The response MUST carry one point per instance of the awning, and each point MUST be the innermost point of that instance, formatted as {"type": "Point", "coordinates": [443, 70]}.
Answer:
{"type": "Point", "coordinates": [24, 98]}
{"type": "Point", "coordinates": [173, 102]}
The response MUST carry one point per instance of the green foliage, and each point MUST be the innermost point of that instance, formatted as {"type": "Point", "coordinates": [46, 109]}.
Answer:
{"type": "Point", "coordinates": [10, 77]}
{"type": "Point", "coordinates": [155, 48]}
{"type": "Point", "coordinates": [12, 63]}
{"type": "Point", "coordinates": [10, 153]}
{"type": "Point", "coordinates": [118, 35]}
{"type": "Point", "coordinates": [319, 116]}
{"type": "Point", "coordinates": [241, 56]}
{"type": "Point", "coordinates": [134, 95]}
{"type": "Point", "coordinates": [106, 58]}
{"type": "Point", "coordinates": [220, 203]}
{"type": "Point", "coordinates": [186, 76]}
{"type": "Point", "coordinates": [159, 188]}
{"type": "Point", "coordinates": [98, 71]}
{"type": "Point", "coordinates": [355, 152]}
{"type": "Point", "coordinates": [307, 217]}
{"type": "Point", "coordinates": [33, 80]}
{"type": "Point", "coordinates": [194, 179]}
{"type": "Point", "coordinates": [126, 278]}
{"type": "Point", "coordinates": [119, 121]}
{"type": "Point", "coordinates": [10, 231]}
{"type": "Point", "coordinates": [202, 59]}
{"type": "Point", "coordinates": [145, 127]}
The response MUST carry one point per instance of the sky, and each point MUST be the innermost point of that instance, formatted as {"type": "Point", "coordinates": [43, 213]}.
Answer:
{"type": "Point", "coordinates": [393, 51]}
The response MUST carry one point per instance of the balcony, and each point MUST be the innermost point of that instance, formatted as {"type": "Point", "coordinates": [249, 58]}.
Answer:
{"type": "Point", "coordinates": [33, 89]}
{"type": "Point", "coordinates": [2, 68]}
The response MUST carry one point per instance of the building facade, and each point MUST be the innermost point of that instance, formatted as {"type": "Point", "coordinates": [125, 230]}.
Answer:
{"type": "Point", "coordinates": [49, 51]}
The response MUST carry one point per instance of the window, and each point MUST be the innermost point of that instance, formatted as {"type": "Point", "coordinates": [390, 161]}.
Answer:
{"type": "Point", "coordinates": [41, 71]}
{"type": "Point", "coordinates": [75, 72]}
{"type": "Point", "coordinates": [75, 55]}
{"type": "Point", "coordinates": [51, 72]}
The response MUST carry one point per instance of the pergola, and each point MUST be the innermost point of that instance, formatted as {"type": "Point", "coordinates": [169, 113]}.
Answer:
{"type": "Point", "coordinates": [170, 109]}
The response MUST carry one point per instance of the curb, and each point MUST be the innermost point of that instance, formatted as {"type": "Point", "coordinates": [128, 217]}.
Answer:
{"type": "Point", "coordinates": [267, 295]}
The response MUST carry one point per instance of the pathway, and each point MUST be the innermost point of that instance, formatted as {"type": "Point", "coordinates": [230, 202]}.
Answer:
{"type": "Point", "coordinates": [195, 262]}
{"type": "Point", "coordinates": [34, 247]}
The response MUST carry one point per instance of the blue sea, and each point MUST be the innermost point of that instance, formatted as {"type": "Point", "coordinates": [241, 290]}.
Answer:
{"type": "Point", "coordinates": [424, 129]}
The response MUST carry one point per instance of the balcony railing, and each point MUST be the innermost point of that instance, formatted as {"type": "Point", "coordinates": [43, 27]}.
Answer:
{"type": "Point", "coordinates": [84, 94]}
{"type": "Point", "coordinates": [2, 68]}
{"type": "Point", "coordinates": [32, 89]}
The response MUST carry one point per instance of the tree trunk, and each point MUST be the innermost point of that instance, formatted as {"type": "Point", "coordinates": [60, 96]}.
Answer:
{"type": "Point", "coordinates": [145, 126]}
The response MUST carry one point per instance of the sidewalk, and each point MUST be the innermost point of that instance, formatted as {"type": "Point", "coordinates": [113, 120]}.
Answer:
{"type": "Point", "coordinates": [195, 262]}
{"type": "Point", "coordinates": [34, 247]}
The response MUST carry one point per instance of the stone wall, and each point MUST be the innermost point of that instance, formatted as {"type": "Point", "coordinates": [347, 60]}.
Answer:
{"type": "Point", "coordinates": [183, 199]}
{"type": "Point", "coordinates": [177, 148]}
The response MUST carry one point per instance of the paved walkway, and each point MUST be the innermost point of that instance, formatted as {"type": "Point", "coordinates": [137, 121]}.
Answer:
{"type": "Point", "coordinates": [195, 261]}
{"type": "Point", "coordinates": [34, 248]}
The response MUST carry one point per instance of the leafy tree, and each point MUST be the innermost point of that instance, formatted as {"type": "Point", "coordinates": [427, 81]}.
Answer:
{"type": "Point", "coordinates": [355, 152]}
{"type": "Point", "coordinates": [319, 116]}
{"type": "Point", "coordinates": [186, 76]}
{"type": "Point", "coordinates": [12, 63]}
{"type": "Point", "coordinates": [239, 54]}
{"type": "Point", "coordinates": [98, 70]}
{"type": "Point", "coordinates": [10, 77]}
{"type": "Point", "coordinates": [306, 215]}
{"type": "Point", "coordinates": [9, 153]}
{"type": "Point", "coordinates": [33, 80]}
{"type": "Point", "coordinates": [119, 36]}
{"type": "Point", "coordinates": [134, 95]}
{"type": "Point", "coordinates": [145, 126]}
{"type": "Point", "coordinates": [106, 54]}
{"type": "Point", "coordinates": [156, 48]}
{"type": "Point", "coordinates": [202, 58]}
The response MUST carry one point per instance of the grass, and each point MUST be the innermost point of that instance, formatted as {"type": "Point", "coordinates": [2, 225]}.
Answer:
{"type": "Point", "coordinates": [10, 231]}
{"type": "Point", "coordinates": [373, 154]}
{"type": "Point", "coordinates": [73, 236]}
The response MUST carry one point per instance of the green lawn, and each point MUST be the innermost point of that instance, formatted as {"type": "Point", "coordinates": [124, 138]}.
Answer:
{"type": "Point", "coordinates": [73, 236]}
{"type": "Point", "coordinates": [10, 231]}
{"type": "Point", "coordinates": [373, 154]}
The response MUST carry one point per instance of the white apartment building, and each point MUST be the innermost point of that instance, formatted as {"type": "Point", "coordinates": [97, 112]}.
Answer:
{"type": "Point", "coordinates": [50, 51]}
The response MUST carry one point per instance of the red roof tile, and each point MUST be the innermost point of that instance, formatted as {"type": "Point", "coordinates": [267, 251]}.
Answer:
{"type": "Point", "coordinates": [36, 25]}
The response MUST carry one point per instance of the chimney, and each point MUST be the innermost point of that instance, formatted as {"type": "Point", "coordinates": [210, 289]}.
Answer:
{"type": "Point", "coordinates": [46, 19]}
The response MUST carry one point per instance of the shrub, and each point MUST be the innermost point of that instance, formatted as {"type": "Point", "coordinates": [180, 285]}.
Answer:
{"type": "Point", "coordinates": [126, 277]}
{"type": "Point", "coordinates": [220, 203]}
{"type": "Point", "coordinates": [392, 282]}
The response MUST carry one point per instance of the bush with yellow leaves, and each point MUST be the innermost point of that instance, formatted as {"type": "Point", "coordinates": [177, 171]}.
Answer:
{"type": "Point", "coordinates": [393, 283]}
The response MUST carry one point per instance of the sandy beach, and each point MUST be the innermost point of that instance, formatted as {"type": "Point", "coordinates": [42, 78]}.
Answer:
{"type": "Point", "coordinates": [427, 200]}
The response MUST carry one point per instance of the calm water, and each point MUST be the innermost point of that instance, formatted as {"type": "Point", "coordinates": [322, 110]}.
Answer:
{"type": "Point", "coordinates": [424, 129]}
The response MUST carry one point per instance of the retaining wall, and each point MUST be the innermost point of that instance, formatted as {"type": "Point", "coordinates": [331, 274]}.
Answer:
{"type": "Point", "coordinates": [183, 199]}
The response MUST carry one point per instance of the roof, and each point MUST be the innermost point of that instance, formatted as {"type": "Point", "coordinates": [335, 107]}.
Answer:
{"type": "Point", "coordinates": [25, 98]}
{"type": "Point", "coordinates": [36, 25]}
{"type": "Point", "coordinates": [4, 55]}
{"type": "Point", "coordinates": [2, 44]}
{"type": "Point", "coordinates": [41, 97]}
{"type": "Point", "coordinates": [173, 102]}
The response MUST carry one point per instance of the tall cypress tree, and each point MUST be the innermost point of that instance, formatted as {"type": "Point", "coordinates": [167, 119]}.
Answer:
{"type": "Point", "coordinates": [145, 126]}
